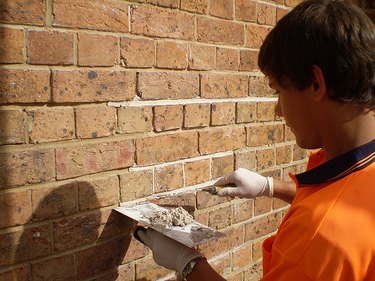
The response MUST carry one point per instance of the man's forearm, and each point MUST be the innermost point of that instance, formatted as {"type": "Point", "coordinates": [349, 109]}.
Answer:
{"type": "Point", "coordinates": [284, 190]}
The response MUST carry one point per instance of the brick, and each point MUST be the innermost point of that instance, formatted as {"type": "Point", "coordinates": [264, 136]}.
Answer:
{"type": "Point", "coordinates": [262, 205]}
{"type": "Point", "coordinates": [280, 13]}
{"type": "Point", "coordinates": [97, 50]}
{"type": "Point", "coordinates": [159, 22]}
{"type": "Point", "coordinates": [235, 277]}
{"type": "Point", "coordinates": [107, 15]}
{"type": "Point", "coordinates": [224, 86]}
{"type": "Point", "coordinates": [137, 184]}
{"type": "Point", "coordinates": [195, 6]}
{"type": "Point", "coordinates": [220, 218]}
{"type": "Point", "coordinates": [283, 155]}
{"type": "Point", "coordinates": [95, 260]}
{"type": "Point", "coordinates": [26, 167]}
{"type": "Point", "coordinates": [201, 218]}
{"type": "Point", "coordinates": [135, 119]}
{"type": "Point", "coordinates": [222, 9]}
{"type": "Point", "coordinates": [223, 139]}
{"type": "Point", "coordinates": [12, 126]}
{"type": "Point", "coordinates": [95, 122]}
{"type": "Point", "coordinates": [278, 204]}
{"type": "Point", "coordinates": [205, 200]}
{"type": "Point", "coordinates": [246, 112]}
{"type": "Point", "coordinates": [255, 35]}
{"type": "Point", "coordinates": [262, 134]}
{"type": "Point", "coordinates": [166, 148]}
{"type": "Point", "coordinates": [262, 226]}
{"type": "Point", "coordinates": [97, 193]}
{"type": "Point", "coordinates": [242, 257]}
{"type": "Point", "coordinates": [222, 166]}
{"type": "Point", "coordinates": [248, 60]}
{"type": "Point", "coordinates": [168, 178]}
{"type": "Point", "coordinates": [59, 268]}
{"type": "Point", "coordinates": [130, 249]}
{"type": "Point", "coordinates": [24, 86]}
{"type": "Point", "coordinates": [246, 159]}
{"type": "Point", "coordinates": [245, 10]}
{"type": "Point", "coordinates": [242, 211]}
{"type": "Point", "coordinates": [197, 171]}
{"type": "Point", "coordinates": [223, 113]}
{"type": "Point", "coordinates": [266, 111]}
{"type": "Point", "coordinates": [168, 117]}
{"type": "Point", "coordinates": [50, 124]}
{"type": "Point", "coordinates": [11, 49]}
{"type": "Point", "coordinates": [15, 207]}
{"type": "Point", "coordinates": [23, 12]}
{"type": "Point", "coordinates": [164, 3]}
{"type": "Point", "coordinates": [20, 273]}
{"type": "Point", "coordinates": [298, 153]}
{"type": "Point", "coordinates": [258, 87]}
{"type": "Point", "coordinates": [289, 136]}
{"type": "Point", "coordinates": [227, 59]}
{"type": "Point", "coordinates": [24, 245]}
{"type": "Point", "coordinates": [52, 202]}
{"type": "Point", "coordinates": [292, 3]}
{"type": "Point", "coordinates": [220, 31]}
{"type": "Point", "coordinates": [222, 265]}
{"type": "Point", "coordinates": [255, 273]}
{"type": "Point", "coordinates": [185, 200]}
{"type": "Point", "coordinates": [137, 52]}
{"type": "Point", "coordinates": [171, 55]}
{"type": "Point", "coordinates": [266, 14]}
{"type": "Point", "coordinates": [266, 158]}
{"type": "Point", "coordinates": [92, 85]}
{"type": "Point", "coordinates": [201, 57]}
{"type": "Point", "coordinates": [93, 158]}
{"type": "Point", "coordinates": [124, 272]}
{"type": "Point", "coordinates": [167, 85]}
{"type": "Point", "coordinates": [197, 115]}
{"type": "Point", "coordinates": [148, 270]}
{"type": "Point", "coordinates": [50, 47]}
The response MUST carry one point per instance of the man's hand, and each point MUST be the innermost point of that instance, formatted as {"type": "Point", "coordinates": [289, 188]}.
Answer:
{"type": "Point", "coordinates": [248, 184]}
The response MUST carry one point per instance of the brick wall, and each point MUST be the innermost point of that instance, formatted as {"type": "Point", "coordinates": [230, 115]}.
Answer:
{"type": "Point", "coordinates": [113, 101]}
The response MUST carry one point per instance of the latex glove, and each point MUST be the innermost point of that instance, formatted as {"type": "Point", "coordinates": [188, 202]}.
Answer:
{"type": "Point", "coordinates": [248, 184]}
{"type": "Point", "coordinates": [168, 252]}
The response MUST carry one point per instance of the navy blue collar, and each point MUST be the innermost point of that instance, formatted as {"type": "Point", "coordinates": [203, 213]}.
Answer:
{"type": "Point", "coordinates": [340, 166]}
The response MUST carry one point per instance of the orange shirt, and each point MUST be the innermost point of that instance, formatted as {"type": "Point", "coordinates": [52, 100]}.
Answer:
{"type": "Point", "coordinates": [328, 234]}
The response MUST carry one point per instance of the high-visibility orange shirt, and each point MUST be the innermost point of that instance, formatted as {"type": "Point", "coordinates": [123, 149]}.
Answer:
{"type": "Point", "coordinates": [328, 234]}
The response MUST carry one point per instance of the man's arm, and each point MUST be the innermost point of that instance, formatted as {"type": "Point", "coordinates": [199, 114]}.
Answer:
{"type": "Point", "coordinates": [203, 271]}
{"type": "Point", "coordinates": [284, 190]}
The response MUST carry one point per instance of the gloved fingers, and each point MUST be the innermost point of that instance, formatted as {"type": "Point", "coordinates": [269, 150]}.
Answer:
{"type": "Point", "coordinates": [141, 234]}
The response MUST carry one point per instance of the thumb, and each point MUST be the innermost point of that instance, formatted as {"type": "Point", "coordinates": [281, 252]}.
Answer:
{"type": "Point", "coordinates": [228, 191]}
{"type": "Point", "coordinates": [142, 234]}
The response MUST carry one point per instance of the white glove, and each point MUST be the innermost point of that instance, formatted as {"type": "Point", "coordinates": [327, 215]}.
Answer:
{"type": "Point", "coordinates": [248, 184]}
{"type": "Point", "coordinates": [168, 252]}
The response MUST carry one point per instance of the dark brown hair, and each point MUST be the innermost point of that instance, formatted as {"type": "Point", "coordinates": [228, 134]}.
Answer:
{"type": "Point", "coordinates": [335, 35]}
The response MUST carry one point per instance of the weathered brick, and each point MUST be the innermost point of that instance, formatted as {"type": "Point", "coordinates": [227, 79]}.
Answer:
{"type": "Point", "coordinates": [255, 35]}
{"type": "Point", "coordinates": [11, 48]}
{"type": "Point", "coordinates": [130, 249]}
{"type": "Point", "coordinates": [92, 85]}
{"type": "Point", "coordinates": [147, 269]}
{"type": "Point", "coordinates": [222, 166]}
{"type": "Point", "coordinates": [197, 171]}
{"type": "Point", "coordinates": [197, 115]}
{"type": "Point", "coordinates": [245, 10]}
{"type": "Point", "coordinates": [266, 111]}
{"type": "Point", "coordinates": [97, 193]}
{"type": "Point", "coordinates": [195, 6]}
{"type": "Point", "coordinates": [20, 273]}
{"type": "Point", "coordinates": [95, 122]}
{"type": "Point", "coordinates": [26, 167]}
{"type": "Point", "coordinates": [220, 31]}
{"type": "Point", "coordinates": [237, 276]}
{"type": "Point", "coordinates": [249, 60]}
{"type": "Point", "coordinates": [109, 15]}
{"type": "Point", "coordinates": [168, 85]}
{"type": "Point", "coordinates": [262, 134]}
{"type": "Point", "coordinates": [278, 203]}
{"type": "Point", "coordinates": [166, 148]}
{"type": "Point", "coordinates": [137, 52]}
{"type": "Point", "coordinates": [246, 112]}
{"type": "Point", "coordinates": [298, 153]}
{"type": "Point", "coordinates": [50, 124]}
{"type": "Point", "coordinates": [15, 207]}
{"type": "Point", "coordinates": [262, 226]}
{"type": "Point", "coordinates": [280, 13]}
{"type": "Point", "coordinates": [201, 57]}
{"type": "Point", "coordinates": [292, 3]}
{"type": "Point", "coordinates": [52, 202]}
{"type": "Point", "coordinates": [168, 117]}
{"type": "Point", "coordinates": [223, 113]}
{"type": "Point", "coordinates": [168, 178]}
{"type": "Point", "coordinates": [59, 268]}
{"type": "Point", "coordinates": [283, 154]}
{"type": "Point", "coordinates": [242, 210]}
{"type": "Point", "coordinates": [222, 265]}
{"type": "Point", "coordinates": [24, 86]}
{"type": "Point", "coordinates": [266, 158]}
{"type": "Point", "coordinates": [159, 22]}
{"type": "Point", "coordinates": [50, 47]}
{"type": "Point", "coordinates": [205, 200]}
{"type": "Point", "coordinates": [266, 14]}
{"type": "Point", "coordinates": [135, 119]}
{"type": "Point", "coordinates": [97, 50]}
{"type": "Point", "coordinates": [258, 87]}
{"type": "Point", "coordinates": [136, 184]}
{"type": "Point", "coordinates": [222, 9]}
{"type": "Point", "coordinates": [164, 3]}
{"type": "Point", "coordinates": [227, 59]}
{"type": "Point", "coordinates": [224, 86]}
{"type": "Point", "coordinates": [23, 12]}
{"type": "Point", "coordinates": [124, 272]}
{"type": "Point", "coordinates": [220, 218]}
{"type": "Point", "coordinates": [93, 158]}
{"type": "Point", "coordinates": [242, 257]}
{"type": "Point", "coordinates": [185, 200]}
{"type": "Point", "coordinates": [12, 126]}
{"type": "Point", "coordinates": [171, 55]}
{"type": "Point", "coordinates": [222, 139]}
{"type": "Point", "coordinates": [246, 159]}
{"type": "Point", "coordinates": [262, 205]}
{"type": "Point", "coordinates": [289, 135]}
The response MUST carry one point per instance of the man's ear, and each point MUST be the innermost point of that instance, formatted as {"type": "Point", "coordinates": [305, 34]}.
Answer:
{"type": "Point", "coordinates": [319, 84]}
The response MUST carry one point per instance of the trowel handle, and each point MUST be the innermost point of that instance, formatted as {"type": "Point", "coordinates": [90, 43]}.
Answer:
{"type": "Point", "coordinates": [135, 233]}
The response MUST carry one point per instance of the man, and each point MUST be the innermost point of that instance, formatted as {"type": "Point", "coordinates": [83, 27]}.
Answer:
{"type": "Point", "coordinates": [320, 60]}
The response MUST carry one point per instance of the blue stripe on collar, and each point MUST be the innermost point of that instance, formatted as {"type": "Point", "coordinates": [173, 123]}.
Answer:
{"type": "Point", "coordinates": [340, 166]}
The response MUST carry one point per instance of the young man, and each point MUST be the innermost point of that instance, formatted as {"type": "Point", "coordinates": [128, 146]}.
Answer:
{"type": "Point", "coordinates": [320, 60]}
